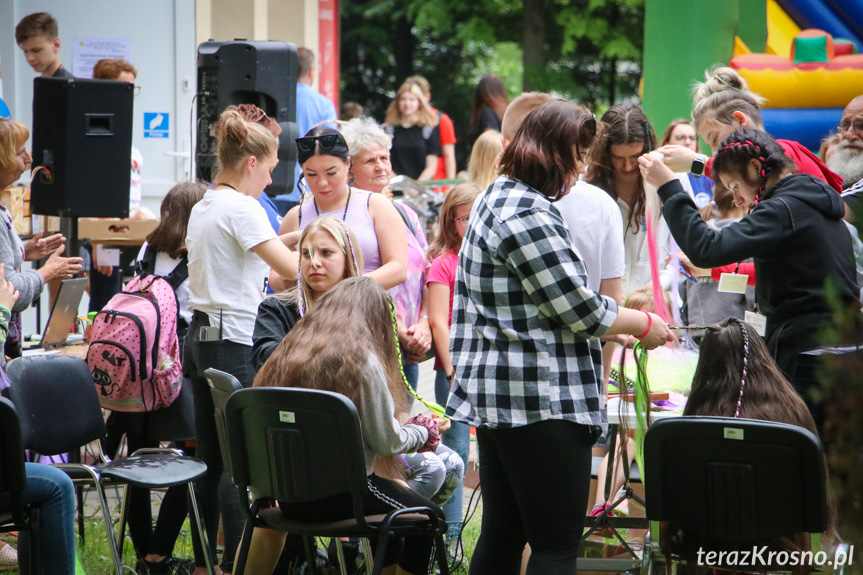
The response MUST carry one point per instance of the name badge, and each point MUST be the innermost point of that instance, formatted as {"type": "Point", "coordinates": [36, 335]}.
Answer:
{"type": "Point", "coordinates": [757, 321]}
{"type": "Point", "coordinates": [732, 283]}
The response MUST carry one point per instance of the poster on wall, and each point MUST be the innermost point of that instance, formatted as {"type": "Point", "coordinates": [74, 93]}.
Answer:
{"type": "Point", "coordinates": [87, 50]}
{"type": "Point", "coordinates": [328, 49]}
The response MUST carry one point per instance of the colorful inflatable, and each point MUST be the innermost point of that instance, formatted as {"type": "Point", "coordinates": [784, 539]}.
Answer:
{"type": "Point", "coordinates": [806, 90]}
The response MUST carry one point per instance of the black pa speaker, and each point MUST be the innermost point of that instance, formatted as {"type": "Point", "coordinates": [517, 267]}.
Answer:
{"type": "Point", "coordinates": [82, 133]}
{"type": "Point", "coordinates": [240, 72]}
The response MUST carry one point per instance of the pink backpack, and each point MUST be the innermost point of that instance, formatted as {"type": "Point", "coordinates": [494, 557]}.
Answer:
{"type": "Point", "coordinates": [134, 353]}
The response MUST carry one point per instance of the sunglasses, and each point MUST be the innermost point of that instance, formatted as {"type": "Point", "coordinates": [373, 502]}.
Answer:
{"type": "Point", "coordinates": [326, 142]}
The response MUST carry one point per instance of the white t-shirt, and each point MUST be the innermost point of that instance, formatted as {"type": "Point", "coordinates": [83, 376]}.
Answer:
{"type": "Point", "coordinates": [225, 275]}
{"type": "Point", "coordinates": [636, 270]}
{"type": "Point", "coordinates": [596, 229]}
{"type": "Point", "coordinates": [165, 264]}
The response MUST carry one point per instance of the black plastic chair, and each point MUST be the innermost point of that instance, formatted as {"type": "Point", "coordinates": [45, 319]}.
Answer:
{"type": "Point", "coordinates": [731, 484]}
{"type": "Point", "coordinates": [60, 412]}
{"type": "Point", "coordinates": [299, 445]}
{"type": "Point", "coordinates": [13, 479]}
{"type": "Point", "coordinates": [222, 385]}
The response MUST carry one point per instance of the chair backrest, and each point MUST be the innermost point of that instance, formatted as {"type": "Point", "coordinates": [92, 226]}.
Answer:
{"type": "Point", "coordinates": [56, 401]}
{"type": "Point", "coordinates": [13, 477]}
{"type": "Point", "coordinates": [222, 385]}
{"type": "Point", "coordinates": [735, 479]}
{"type": "Point", "coordinates": [295, 445]}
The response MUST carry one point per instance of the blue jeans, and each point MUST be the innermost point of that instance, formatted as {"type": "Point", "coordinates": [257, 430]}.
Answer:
{"type": "Point", "coordinates": [52, 490]}
{"type": "Point", "coordinates": [457, 438]}
{"type": "Point", "coordinates": [412, 373]}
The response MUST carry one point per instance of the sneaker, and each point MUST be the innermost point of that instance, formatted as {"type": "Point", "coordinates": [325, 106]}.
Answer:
{"type": "Point", "coordinates": [167, 566]}
{"type": "Point", "coordinates": [8, 558]}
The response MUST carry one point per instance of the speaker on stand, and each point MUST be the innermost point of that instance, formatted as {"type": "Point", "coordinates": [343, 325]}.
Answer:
{"type": "Point", "coordinates": [241, 72]}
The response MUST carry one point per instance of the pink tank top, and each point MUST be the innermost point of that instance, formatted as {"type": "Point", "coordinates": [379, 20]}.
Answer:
{"type": "Point", "coordinates": [357, 219]}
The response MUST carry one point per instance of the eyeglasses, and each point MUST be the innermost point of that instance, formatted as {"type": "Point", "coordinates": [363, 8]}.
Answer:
{"type": "Point", "coordinates": [325, 141]}
{"type": "Point", "coordinates": [462, 220]}
{"type": "Point", "coordinates": [856, 126]}
{"type": "Point", "coordinates": [137, 90]}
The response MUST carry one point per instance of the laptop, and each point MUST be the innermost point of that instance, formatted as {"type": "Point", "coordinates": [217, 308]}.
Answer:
{"type": "Point", "coordinates": [63, 314]}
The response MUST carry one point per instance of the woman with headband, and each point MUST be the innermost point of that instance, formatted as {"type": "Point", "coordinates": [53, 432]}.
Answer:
{"type": "Point", "coordinates": [795, 233]}
{"type": "Point", "coordinates": [380, 231]}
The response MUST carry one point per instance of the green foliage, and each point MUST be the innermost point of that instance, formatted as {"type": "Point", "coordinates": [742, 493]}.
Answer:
{"type": "Point", "coordinates": [590, 51]}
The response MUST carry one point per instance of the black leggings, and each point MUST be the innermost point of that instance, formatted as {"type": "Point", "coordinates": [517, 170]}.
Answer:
{"type": "Point", "coordinates": [535, 484]}
{"type": "Point", "coordinates": [413, 554]}
{"type": "Point", "coordinates": [216, 492]}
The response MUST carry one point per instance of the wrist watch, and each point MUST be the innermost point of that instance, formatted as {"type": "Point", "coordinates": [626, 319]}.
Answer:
{"type": "Point", "coordinates": [698, 165]}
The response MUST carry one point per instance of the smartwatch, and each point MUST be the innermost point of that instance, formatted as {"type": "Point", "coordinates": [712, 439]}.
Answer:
{"type": "Point", "coordinates": [698, 165]}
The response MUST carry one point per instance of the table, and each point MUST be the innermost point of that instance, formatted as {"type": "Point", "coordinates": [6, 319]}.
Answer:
{"type": "Point", "coordinates": [616, 416]}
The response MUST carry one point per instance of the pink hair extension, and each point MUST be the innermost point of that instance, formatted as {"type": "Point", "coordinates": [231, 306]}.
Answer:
{"type": "Point", "coordinates": [658, 300]}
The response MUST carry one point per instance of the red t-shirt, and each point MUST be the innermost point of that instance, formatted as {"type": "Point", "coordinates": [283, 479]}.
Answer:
{"type": "Point", "coordinates": [447, 136]}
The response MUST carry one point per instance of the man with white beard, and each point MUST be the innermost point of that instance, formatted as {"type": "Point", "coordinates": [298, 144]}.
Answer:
{"type": "Point", "coordinates": [847, 158]}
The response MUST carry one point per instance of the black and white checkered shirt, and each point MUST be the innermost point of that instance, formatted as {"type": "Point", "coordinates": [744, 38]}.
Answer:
{"type": "Point", "coordinates": [524, 318]}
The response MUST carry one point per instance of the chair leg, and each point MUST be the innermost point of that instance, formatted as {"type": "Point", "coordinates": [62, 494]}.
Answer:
{"type": "Point", "coordinates": [124, 508]}
{"type": "Point", "coordinates": [340, 555]}
{"type": "Point", "coordinates": [381, 553]}
{"type": "Point", "coordinates": [440, 552]}
{"type": "Point", "coordinates": [243, 551]}
{"type": "Point", "coordinates": [202, 531]}
{"type": "Point", "coordinates": [311, 557]}
{"type": "Point", "coordinates": [109, 527]}
{"type": "Point", "coordinates": [367, 554]}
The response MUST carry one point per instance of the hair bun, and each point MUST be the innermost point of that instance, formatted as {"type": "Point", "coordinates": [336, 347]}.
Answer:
{"type": "Point", "coordinates": [231, 125]}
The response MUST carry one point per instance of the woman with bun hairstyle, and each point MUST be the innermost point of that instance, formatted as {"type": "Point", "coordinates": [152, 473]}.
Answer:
{"type": "Point", "coordinates": [231, 248]}
{"type": "Point", "coordinates": [722, 104]}
{"type": "Point", "coordinates": [795, 233]}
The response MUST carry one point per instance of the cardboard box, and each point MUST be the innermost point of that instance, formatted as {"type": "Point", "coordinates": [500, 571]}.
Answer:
{"type": "Point", "coordinates": [17, 202]}
{"type": "Point", "coordinates": [120, 232]}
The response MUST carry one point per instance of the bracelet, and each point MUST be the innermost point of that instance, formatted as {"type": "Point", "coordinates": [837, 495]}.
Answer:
{"type": "Point", "coordinates": [649, 325]}
{"type": "Point", "coordinates": [424, 317]}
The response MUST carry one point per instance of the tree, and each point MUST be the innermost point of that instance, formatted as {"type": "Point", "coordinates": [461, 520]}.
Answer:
{"type": "Point", "coordinates": [586, 50]}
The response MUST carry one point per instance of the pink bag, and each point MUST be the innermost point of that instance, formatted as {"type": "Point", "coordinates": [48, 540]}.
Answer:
{"type": "Point", "coordinates": [134, 353]}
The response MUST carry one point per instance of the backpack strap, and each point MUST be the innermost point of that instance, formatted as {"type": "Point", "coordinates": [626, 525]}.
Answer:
{"type": "Point", "coordinates": [147, 266]}
{"type": "Point", "coordinates": [404, 216]}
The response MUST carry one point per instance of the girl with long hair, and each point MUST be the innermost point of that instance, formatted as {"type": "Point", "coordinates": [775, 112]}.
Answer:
{"type": "Point", "coordinates": [359, 359]}
{"type": "Point", "coordinates": [329, 253]}
{"type": "Point", "coordinates": [164, 250]}
{"type": "Point", "coordinates": [443, 252]}
{"type": "Point", "coordinates": [625, 136]}
{"type": "Point", "coordinates": [791, 219]}
{"type": "Point", "coordinates": [489, 103]}
{"type": "Point", "coordinates": [231, 248]}
{"type": "Point", "coordinates": [527, 367]}
{"type": "Point", "coordinates": [737, 377]}
{"type": "Point", "coordinates": [482, 166]}
{"type": "Point", "coordinates": [414, 128]}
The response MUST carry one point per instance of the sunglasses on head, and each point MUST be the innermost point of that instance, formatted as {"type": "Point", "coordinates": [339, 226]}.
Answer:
{"type": "Point", "coordinates": [326, 142]}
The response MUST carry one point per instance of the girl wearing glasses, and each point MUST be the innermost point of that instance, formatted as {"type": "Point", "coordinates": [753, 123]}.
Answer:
{"type": "Point", "coordinates": [380, 231]}
{"type": "Point", "coordinates": [528, 368]}
{"type": "Point", "coordinates": [626, 135]}
{"type": "Point", "coordinates": [231, 248]}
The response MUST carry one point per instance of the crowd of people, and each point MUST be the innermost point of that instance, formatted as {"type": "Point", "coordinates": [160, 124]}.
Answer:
{"type": "Point", "coordinates": [519, 295]}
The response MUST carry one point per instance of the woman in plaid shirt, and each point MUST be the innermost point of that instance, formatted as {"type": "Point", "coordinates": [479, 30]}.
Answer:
{"type": "Point", "coordinates": [528, 368]}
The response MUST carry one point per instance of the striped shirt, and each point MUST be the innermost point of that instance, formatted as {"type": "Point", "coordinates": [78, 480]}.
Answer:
{"type": "Point", "coordinates": [523, 317]}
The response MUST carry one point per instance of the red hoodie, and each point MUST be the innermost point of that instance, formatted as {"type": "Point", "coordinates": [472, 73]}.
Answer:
{"type": "Point", "coordinates": [807, 163]}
